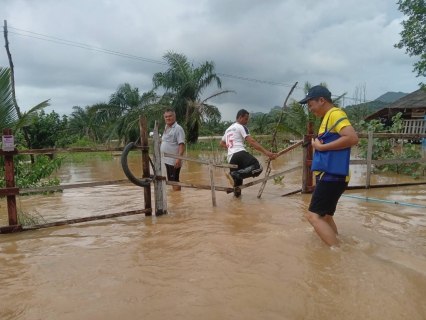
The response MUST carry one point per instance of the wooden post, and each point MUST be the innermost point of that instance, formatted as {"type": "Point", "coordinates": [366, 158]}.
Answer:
{"type": "Point", "coordinates": [145, 162]}
{"type": "Point", "coordinates": [159, 185]}
{"type": "Point", "coordinates": [308, 154]}
{"type": "Point", "coordinates": [10, 183]}
{"type": "Point", "coordinates": [369, 158]}
{"type": "Point", "coordinates": [212, 183]}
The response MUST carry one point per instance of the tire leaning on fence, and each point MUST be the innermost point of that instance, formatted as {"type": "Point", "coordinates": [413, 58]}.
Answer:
{"type": "Point", "coordinates": [139, 182]}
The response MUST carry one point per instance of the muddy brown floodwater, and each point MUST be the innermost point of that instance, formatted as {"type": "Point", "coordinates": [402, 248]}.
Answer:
{"type": "Point", "coordinates": [248, 258]}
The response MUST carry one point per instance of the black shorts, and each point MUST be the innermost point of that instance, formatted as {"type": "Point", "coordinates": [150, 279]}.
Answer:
{"type": "Point", "coordinates": [172, 173]}
{"type": "Point", "coordinates": [243, 160]}
{"type": "Point", "coordinates": [325, 197]}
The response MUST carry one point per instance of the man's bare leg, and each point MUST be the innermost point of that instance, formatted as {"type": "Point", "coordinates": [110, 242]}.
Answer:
{"type": "Point", "coordinates": [323, 229]}
{"type": "Point", "coordinates": [329, 219]}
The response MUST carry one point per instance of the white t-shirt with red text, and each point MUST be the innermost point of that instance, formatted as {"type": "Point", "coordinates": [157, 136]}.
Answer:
{"type": "Point", "coordinates": [235, 137]}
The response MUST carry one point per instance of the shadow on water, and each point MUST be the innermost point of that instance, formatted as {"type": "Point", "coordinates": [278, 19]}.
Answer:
{"type": "Point", "coordinates": [248, 258]}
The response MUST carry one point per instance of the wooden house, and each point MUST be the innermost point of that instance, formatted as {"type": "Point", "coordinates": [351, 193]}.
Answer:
{"type": "Point", "coordinates": [413, 109]}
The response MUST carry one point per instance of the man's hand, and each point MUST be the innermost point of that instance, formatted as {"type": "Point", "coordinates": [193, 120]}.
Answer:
{"type": "Point", "coordinates": [317, 144]}
{"type": "Point", "coordinates": [271, 155]}
{"type": "Point", "coordinates": [178, 163]}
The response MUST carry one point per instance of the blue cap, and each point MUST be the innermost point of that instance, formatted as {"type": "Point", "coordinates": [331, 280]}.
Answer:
{"type": "Point", "coordinates": [316, 92]}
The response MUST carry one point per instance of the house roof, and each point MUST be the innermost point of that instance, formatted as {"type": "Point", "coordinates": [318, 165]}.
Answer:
{"type": "Point", "coordinates": [415, 100]}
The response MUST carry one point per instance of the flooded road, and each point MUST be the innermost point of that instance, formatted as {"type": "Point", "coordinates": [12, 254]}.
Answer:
{"type": "Point", "coordinates": [248, 258]}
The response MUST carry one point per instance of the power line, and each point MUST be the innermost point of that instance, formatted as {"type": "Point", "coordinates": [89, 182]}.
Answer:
{"type": "Point", "coordinates": [125, 55]}
{"type": "Point", "coordinates": [102, 50]}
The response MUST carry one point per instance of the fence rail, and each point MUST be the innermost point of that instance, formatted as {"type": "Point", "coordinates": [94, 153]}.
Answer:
{"type": "Point", "coordinates": [417, 126]}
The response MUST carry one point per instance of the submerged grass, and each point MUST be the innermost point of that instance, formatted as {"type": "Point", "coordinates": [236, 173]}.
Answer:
{"type": "Point", "coordinates": [29, 219]}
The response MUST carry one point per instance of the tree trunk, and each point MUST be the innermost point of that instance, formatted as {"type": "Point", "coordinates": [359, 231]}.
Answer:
{"type": "Point", "coordinates": [12, 78]}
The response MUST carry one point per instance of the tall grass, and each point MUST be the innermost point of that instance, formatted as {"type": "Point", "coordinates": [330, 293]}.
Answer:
{"type": "Point", "coordinates": [29, 219]}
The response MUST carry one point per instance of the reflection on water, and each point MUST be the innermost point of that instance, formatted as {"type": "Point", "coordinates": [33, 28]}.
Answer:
{"type": "Point", "coordinates": [247, 258]}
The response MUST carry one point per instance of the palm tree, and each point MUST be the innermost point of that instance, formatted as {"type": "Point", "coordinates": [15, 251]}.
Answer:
{"type": "Point", "coordinates": [8, 114]}
{"type": "Point", "coordinates": [82, 122]}
{"type": "Point", "coordinates": [186, 84]}
{"type": "Point", "coordinates": [120, 117]}
{"type": "Point", "coordinates": [127, 125]}
{"type": "Point", "coordinates": [261, 124]}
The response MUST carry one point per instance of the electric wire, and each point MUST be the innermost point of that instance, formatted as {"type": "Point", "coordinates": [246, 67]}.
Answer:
{"type": "Point", "coordinates": [125, 55]}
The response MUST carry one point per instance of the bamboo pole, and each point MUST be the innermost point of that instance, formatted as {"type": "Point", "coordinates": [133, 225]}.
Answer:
{"type": "Point", "coordinates": [198, 186]}
{"type": "Point", "coordinates": [274, 140]}
{"type": "Point", "coordinates": [87, 219]}
{"type": "Point", "coordinates": [207, 162]}
{"type": "Point", "coordinates": [212, 185]}
{"type": "Point", "coordinates": [269, 177]}
{"type": "Point", "coordinates": [73, 186]}
{"type": "Point", "coordinates": [69, 150]}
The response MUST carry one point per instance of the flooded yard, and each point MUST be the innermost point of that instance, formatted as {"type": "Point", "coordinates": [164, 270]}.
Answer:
{"type": "Point", "coordinates": [247, 258]}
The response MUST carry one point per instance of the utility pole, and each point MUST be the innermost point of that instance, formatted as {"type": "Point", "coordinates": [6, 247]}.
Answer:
{"type": "Point", "coordinates": [12, 78]}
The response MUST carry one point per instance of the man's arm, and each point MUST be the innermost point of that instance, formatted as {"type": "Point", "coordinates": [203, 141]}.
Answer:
{"type": "Point", "coordinates": [178, 162]}
{"type": "Point", "coordinates": [223, 144]}
{"type": "Point", "coordinates": [258, 147]}
{"type": "Point", "coordinates": [348, 138]}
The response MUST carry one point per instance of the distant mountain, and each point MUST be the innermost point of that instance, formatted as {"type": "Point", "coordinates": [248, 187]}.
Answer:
{"type": "Point", "coordinates": [370, 107]}
{"type": "Point", "coordinates": [391, 96]}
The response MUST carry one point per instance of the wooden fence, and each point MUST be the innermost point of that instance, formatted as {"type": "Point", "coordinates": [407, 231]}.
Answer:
{"type": "Point", "coordinates": [417, 126]}
{"type": "Point", "coordinates": [307, 176]}
{"type": "Point", "coordinates": [160, 181]}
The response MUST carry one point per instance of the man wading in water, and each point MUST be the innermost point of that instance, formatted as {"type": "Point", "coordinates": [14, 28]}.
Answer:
{"type": "Point", "coordinates": [330, 165]}
{"type": "Point", "coordinates": [234, 140]}
{"type": "Point", "coordinates": [173, 141]}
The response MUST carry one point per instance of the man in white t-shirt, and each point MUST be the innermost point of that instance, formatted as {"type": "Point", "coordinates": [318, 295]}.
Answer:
{"type": "Point", "coordinates": [234, 140]}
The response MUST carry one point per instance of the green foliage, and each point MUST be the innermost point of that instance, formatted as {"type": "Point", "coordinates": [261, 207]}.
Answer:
{"type": "Point", "coordinates": [359, 112]}
{"type": "Point", "coordinates": [297, 116]}
{"type": "Point", "coordinates": [50, 131]}
{"type": "Point", "coordinates": [414, 33]}
{"type": "Point", "coordinates": [382, 148]}
{"type": "Point", "coordinates": [278, 179]}
{"type": "Point", "coordinates": [7, 109]}
{"type": "Point", "coordinates": [35, 175]}
{"type": "Point", "coordinates": [214, 127]}
{"type": "Point", "coordinates": [9, 118]}
{"type": "Point", "coordinates": [206, 145]}
{"type": "Point", "coordinates": [267, 144]}
{"type": "Point", "coordinates": [81, 157]}
{"type": "Point", "coordinates": [84, 142]}
{"type": "Point", "coordinates": [261, 124]}
{"type": "Point", "coordinates": [29, 219]}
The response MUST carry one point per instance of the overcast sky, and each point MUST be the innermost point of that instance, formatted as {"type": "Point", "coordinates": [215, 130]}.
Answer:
{"type": "Point", "coordinates": [344, 43]}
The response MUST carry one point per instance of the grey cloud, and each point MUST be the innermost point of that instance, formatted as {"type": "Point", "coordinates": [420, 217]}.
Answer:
{"type": "Point", "coordinates": [340, 42]}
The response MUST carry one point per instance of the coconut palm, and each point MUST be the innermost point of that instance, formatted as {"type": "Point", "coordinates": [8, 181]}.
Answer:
{"type": "Point", "coordinates": [8, 114]}
{"type": "Point", "coordinates": [187, 84]}
{"type": "Point", "coordinates": [120, 117]}
{"type": "Point", "coordinates": [83, 122]}
{"type": "Point", "coordinates": [261, 124]}
{"type": "Point", "coordinates": [152, 106]}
